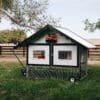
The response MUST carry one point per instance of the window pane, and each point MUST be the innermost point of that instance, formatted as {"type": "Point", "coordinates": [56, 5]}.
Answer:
{"type": "Point", "coordinates": [39, 54]}
{"type": "Point", "coordinates": [65, 54]}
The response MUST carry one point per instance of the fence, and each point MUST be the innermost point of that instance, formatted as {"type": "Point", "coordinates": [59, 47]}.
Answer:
{"type": "Point", "coordinates": [6, 50]}
{"type": "Point", "coordinates": [94, 54]}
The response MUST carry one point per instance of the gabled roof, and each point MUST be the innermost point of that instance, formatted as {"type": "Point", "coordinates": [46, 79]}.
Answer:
{"type": "Point", "coordinates": [76, 37]}
{"type": "Point", "coordinates": [64, 32]}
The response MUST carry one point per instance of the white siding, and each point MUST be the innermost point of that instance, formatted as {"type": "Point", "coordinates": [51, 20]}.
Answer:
{"type": "Point", "coordinates": [61, 39]}
{"type": "Point", "coordinates": [72, 62]}
{"type": "Point", "coordinates": [32, 60]}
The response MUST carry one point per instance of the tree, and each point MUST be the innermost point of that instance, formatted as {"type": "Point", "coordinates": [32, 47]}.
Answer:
{"type": "Point", "coordinates": [6, 4]}
{"type": "Point", "coordinates": [12, 36]}
{"type": "Point", "coordinates": [92, 26]}
{"type": "Point", "coordinates": [28, 14]}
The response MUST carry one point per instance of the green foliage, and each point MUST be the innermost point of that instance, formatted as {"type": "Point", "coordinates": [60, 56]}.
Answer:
{"type": "Point", "coordinates": [92, 26]}
{"type": "Point", "coordinates": [28, 14]}
{"type": "Point", "coordinates": [89, 26]}
{"type": "Point", "coordinates": [14, 85]}
{"type": "Point", "coordinates": [12, 36]}
{"type": "Point", "coordinates": [6, 4]}
{"type": "Point", "coordinates": [98, 24]}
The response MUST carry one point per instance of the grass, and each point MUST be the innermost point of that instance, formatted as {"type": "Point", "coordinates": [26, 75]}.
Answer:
{"type": "Point", "coordinates": [14, 86]}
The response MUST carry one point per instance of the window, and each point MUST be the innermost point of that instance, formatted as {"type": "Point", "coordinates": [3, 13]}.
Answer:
{"type": "Point", "coordinates": [39, 54]}
{"type": "Point", "coordinates": [65, 55]}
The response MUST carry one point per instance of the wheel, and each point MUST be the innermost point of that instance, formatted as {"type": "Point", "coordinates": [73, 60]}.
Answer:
{"type": "Point", "coordinates": [72, 79]}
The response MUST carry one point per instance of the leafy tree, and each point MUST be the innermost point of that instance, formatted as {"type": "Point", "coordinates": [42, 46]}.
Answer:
{"type": "Point", "coordinates": [12, 36]}
{"type": "Point", "coordinates": [92, 26]}
{"type": "Point", "coordinates": [28, 14]}
{"type": "Point", "coordinates": [6, 4]}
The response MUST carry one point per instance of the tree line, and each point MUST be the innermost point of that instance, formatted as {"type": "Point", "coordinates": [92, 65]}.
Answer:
{"type": "Point", "coordinates": [12, 36]}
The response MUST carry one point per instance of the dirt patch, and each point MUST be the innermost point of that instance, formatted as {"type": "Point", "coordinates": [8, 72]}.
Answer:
{"type": "Point", "coordinates": [11, 59]}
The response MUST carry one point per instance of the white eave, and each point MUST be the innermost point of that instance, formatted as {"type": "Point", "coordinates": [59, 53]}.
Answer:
{"type": "Point", "coordinates": [76, 37]}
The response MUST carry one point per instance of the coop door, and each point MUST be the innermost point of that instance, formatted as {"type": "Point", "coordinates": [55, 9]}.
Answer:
{"type": "Point", "coordinates": [38, 55]}
{"type": "Point", "coordinates": [65, 55]}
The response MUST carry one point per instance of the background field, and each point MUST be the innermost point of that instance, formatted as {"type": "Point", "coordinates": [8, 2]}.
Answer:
{"type": "Point", "coordinates": [14, 86]}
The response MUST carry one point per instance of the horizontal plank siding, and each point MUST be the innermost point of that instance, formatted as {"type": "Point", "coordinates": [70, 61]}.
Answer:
{"type": "Point", "coordinates": [94, 53]}
{"type": "Point", "coordinates": [8, 50]}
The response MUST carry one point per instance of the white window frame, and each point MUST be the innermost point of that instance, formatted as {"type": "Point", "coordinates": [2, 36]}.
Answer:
{"type": "Point", "coordinates": [34, 61]}
{"type": "Point", "coordinates": [65, 62]}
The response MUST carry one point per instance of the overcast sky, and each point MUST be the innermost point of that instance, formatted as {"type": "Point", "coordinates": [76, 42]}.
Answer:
{"type": "Point", "coordinates": [73, 13]}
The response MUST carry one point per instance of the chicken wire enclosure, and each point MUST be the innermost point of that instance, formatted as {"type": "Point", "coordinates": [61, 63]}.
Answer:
{"type": "Point", "coordinates": [53, 73]}
{"type": "Point", "coordinates": [83, 52]}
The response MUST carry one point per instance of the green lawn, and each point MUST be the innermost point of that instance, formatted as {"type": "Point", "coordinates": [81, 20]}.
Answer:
{"type": "Point", "coordinates": [14, 86]}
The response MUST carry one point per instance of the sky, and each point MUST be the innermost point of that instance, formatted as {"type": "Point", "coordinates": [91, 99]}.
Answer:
{"type": "Point", "coordinates": [72, 14]}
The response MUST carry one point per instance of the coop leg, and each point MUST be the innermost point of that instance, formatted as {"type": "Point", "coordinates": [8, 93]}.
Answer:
{"type": "Point", "coordinates": [27, 71]}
